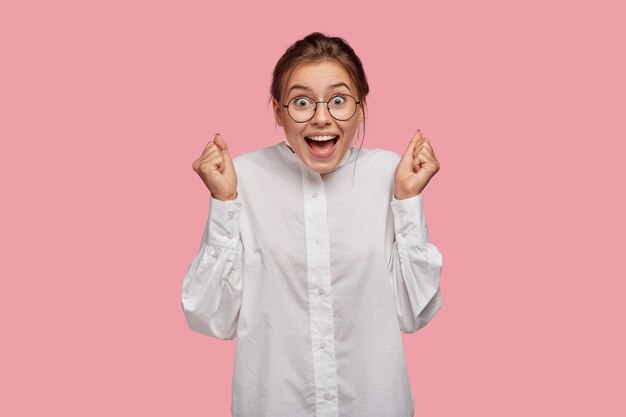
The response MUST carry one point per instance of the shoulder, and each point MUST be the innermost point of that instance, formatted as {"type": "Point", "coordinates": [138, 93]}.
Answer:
{"type": "Point", "coordinates": [253, 158]}
{"type": "Point", "coordinates": [377, 157]}
{"type": "Point", "coordinates": [265, 164]}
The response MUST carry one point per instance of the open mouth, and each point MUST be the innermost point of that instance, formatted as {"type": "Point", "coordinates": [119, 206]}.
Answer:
{"type": "Point", "coordinates": [321, 146]}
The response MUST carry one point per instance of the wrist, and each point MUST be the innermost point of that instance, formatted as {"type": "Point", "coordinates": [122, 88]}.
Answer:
{"type": "Point", "coordinates": [400, 195]}
{"type": "Point", "coordinates": [226, 197]}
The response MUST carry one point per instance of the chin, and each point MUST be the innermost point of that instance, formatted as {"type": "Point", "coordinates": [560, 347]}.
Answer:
{"type": "Point", "coordinates": [321, 170]}
{"type": "Point", "coordinates": [322, 167]}
{"type": "Point", "coordinates": [320, 163]}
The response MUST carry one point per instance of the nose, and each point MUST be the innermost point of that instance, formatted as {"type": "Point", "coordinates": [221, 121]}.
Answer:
{"type": "Point", "coordinates": [322, 115]}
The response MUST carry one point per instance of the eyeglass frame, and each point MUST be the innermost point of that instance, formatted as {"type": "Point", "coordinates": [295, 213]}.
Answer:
{"type": "Point", "coordinates": [327, 106]}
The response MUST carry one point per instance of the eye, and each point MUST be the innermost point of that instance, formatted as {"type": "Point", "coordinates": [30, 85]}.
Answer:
{"type": "Point", "coordinates": [338, 100]}
{"type": "Point", "coordinates": [301, 102]}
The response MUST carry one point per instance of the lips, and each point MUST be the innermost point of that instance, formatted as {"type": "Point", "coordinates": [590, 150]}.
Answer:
{"type": "Point", "coordinates": [321, 145]}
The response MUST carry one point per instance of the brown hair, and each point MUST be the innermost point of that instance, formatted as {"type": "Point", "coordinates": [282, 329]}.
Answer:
{"type": "Point", "coordinates": [317, 47]}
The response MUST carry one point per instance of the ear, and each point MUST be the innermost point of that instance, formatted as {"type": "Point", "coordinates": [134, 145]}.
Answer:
{"type": "Point", "coordinates": [278, 112]}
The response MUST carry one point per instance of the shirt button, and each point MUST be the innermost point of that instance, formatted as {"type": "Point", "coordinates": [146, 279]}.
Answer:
{"type": "Point", "coordinates": [322, 345]}
{"type": "Point", "coordinates": [229, 236]}
{"type": "Point", "coordinates": [403, 233]}
{"type": "Point", "coordinates": [231, 214]}
{"type": "Point", "coordinates": [327, 396]}
{"type": "Point", "coordinates": [320, 291]}
{"type": "Point", "coordinates": [314, 195]}
{"type": "Point", "coordinates": [317, 241]}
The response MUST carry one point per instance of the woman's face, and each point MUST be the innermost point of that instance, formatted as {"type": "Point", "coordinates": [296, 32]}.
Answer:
{"type": "Point", "coordinates": [318, 81]}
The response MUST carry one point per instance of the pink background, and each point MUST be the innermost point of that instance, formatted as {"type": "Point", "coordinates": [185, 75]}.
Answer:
{"type": "Point", "coordinates": [105, 105]}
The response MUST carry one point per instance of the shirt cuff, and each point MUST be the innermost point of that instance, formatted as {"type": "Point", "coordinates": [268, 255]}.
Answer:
{"type": "Point", "coordinates": [224, 222]}
{"type": "Point", "coordinates": [410, 221]}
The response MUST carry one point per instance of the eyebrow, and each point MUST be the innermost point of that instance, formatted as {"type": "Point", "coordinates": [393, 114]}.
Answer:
{"type": "Point", "coordinates": [304, 87]}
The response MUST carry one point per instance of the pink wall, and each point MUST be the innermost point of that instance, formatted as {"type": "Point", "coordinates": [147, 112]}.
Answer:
{"type": "Point", "coordinates": [104, 108]}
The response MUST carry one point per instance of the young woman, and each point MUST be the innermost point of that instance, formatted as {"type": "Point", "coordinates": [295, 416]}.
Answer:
{"type": "Point", "coordinates": [316, 254]}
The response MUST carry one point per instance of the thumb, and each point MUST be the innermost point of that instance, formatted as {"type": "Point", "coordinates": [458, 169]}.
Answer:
{"type": "Point", "coordinates": [219, 141]}
{"type": "Point", "coordinates": [227, 168]}
{"type": "Point", "coordinates": [408, 154]}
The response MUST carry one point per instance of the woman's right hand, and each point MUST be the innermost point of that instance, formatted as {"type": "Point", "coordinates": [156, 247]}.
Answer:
{"type": "Point", "coordinates": [216, 169]}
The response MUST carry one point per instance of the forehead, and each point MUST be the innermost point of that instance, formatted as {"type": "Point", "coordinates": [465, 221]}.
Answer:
{"type": "Point", "coordinates": [319, 77]}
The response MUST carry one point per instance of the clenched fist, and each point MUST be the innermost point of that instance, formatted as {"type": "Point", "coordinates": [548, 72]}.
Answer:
{"type": "Point", "coordinates": [216, 169]}
{"type": "Point", "coordinates": [416, 167]}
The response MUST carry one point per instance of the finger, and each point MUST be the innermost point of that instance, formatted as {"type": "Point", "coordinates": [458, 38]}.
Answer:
{"type": "Point", "coordinates": [424, 160]}
{"type": "Point", "coordinates": [197, 164]}
{"type": "Point", "coordinates": [428, 145]}
{"type": "Point", "coordinates": [221, 144]}
{"type": "Point", "coordinates": [219, 163]}
{"type": "Point", "coordinates": [417, 136]}
{"type": "Point", "coordinates": [211, 142]}
{"type": "Point", "coordinates": [210, 159]}
{"type": "Point", "coordinates": [422, 146]}
{"type": "Point", "coordinates": [216, 161]}
{"type": "Point", "coordinates": [419, 161]}
{"type": "Point", "coordinates": [410, 150]}
{"type": "Point", "coordinates": [209, 152]}
{"type": "Point", "coordinates": [424, 151]}
{"type": "Point", "coordinates": [208, 155]}
{"type": "Point", "coordinates": [208, 145]}
{"type": "Point", "coordinates": [215, 153]}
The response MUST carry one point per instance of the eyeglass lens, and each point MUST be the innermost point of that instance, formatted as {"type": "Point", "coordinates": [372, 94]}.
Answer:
{"type": "Point", "coordinates": [341, 107]}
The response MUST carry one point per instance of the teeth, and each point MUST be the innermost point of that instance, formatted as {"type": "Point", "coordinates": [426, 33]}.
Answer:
{"type": "Point", "coordinates": [321, 138]}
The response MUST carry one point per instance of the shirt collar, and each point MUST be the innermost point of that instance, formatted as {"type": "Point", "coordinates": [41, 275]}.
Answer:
{"type": "Point", "coordinates": [286, 151]}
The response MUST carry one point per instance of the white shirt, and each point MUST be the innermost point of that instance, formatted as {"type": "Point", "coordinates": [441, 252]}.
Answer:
{"type": "Point", "coordinates": [315, 275]}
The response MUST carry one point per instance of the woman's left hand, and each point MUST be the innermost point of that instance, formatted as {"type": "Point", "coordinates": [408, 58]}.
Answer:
{"type": "Point", "coordinates": [416, 167]}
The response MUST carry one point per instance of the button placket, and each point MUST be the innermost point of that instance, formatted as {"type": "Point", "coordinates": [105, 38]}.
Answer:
{"type": "Point", "coordinates": [319, 281]}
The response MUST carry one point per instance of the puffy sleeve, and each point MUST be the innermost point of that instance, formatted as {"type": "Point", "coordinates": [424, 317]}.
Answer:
{"type": "Point", "coordinates": [212, 287]}
{"type": "Point", "coordinates": [415, 266]}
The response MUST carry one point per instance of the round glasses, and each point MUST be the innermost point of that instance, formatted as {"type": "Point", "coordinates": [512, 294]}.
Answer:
{"type": "Point", "coordinates": [341, 107]}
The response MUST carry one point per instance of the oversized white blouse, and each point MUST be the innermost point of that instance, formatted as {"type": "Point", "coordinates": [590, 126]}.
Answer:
{"type": "Point", "coordinates": [315, 275]}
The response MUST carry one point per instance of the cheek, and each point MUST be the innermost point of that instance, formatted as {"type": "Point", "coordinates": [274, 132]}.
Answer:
{"type": "Point", "coordinates": [351, 132]}
{"type": "Point", "coordinates": [293, 131]}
